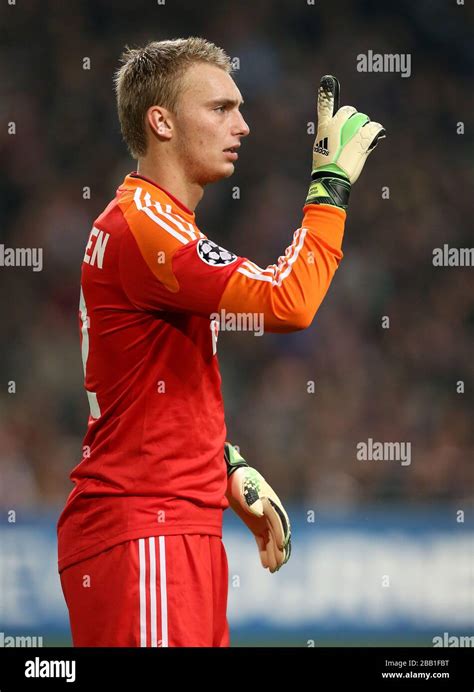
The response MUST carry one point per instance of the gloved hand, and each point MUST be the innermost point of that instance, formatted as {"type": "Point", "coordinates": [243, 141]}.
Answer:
{"type": "Point", "coordinates": [259, 507]}
{"type": "Point", "coordinates": [343, 142]}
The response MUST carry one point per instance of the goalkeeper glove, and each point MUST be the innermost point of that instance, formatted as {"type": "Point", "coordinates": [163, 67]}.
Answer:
{"type": "Point", "coordinates": [259, 507]}
{"type": "Point", "coordinates": [344, 140]}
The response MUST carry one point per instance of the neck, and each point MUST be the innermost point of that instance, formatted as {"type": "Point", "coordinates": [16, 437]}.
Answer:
{"type": "Point", "coordinates": [172, 179]}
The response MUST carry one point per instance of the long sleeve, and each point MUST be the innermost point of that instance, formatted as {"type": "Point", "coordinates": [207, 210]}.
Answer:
{"type": "Point", "coordinates": [166, 263]}
{"type": "Point", "coordinates": [290, 292]}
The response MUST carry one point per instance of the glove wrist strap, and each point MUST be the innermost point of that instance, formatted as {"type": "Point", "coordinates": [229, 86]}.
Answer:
{"type": "Point", "coordinates": [329, 188]}
{"type": "Point", "coordinates": [233, 459]}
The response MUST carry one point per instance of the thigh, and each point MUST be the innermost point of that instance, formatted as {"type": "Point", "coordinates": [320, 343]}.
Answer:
{"type": "Point", "coordinates": [102, 596]}
{"type": "Point", "coordinates": [220, 580]}
{"type": "Point", "coordinates": [196, 577]}
{"type": "Point", "coordinates": [156, 591]}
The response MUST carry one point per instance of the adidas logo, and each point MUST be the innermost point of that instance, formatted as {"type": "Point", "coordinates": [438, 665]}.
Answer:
{"type": "Point", "coordinates": [322, 147]}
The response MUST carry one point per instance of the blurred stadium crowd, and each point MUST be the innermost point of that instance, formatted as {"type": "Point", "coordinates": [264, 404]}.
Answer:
{"type": "Point", "coordinates": [395, 384]}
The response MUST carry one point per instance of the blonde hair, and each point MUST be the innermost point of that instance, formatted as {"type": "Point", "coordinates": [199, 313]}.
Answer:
{"type": "Point", "coordinates": [152, 75]}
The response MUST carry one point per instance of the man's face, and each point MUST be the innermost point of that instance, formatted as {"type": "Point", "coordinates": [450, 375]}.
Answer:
{"type": "Point", "coordinates": [208, 123]}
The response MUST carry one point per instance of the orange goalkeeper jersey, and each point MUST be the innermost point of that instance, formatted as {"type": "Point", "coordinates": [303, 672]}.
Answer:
{"type": "Point", "coordinates": [151, 286]}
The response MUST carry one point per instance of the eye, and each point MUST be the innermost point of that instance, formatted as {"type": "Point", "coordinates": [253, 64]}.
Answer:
{"type": "Point", "coordinates": [220, 108]}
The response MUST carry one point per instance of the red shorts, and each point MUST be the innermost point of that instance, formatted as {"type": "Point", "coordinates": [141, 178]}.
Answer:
{"type": "Point", "coordinates": [158, 591]}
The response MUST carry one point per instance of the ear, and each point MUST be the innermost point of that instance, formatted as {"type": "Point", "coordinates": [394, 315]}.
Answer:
{"type": "Point", "coordinates": [159, 121]}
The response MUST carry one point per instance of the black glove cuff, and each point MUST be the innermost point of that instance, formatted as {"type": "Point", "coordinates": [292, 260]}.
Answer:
{"type": "Point", "coordinates": [233, 459]}
{"type": "Point", "coordinates": [329, 188]}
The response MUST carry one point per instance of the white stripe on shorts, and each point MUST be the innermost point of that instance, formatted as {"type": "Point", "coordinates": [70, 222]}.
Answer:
{"type": "Point", "coordinates": [152, 590]}
{"type": "Point", "coordinates": [153, 621]}
{"type": "Point", "coordinates": [164, 603]}
{"type": "Point", "coordinates": [141, 552]}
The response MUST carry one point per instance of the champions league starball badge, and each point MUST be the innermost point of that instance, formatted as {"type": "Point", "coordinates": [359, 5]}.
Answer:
{"type": "Point", "coordinates": [213, 254]}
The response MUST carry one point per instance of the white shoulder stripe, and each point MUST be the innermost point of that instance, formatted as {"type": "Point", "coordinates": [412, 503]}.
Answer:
{"type": "Point", "coordinates": [195, 230]}
{"type": "Point", "coordinates": [251, 275]}
{"type": "Point", "coordinates": [173, 218]}
{"type": "Point", "coordinates": [253, 267]}
{"type": "Point", "coordinates": [294, 257]}
{"type": "Point", "coordinates": [157, 219]}
{"type": "Point", "coordinates": [246, 265]}
{"type": "Point", "coordinates": [277, 273]}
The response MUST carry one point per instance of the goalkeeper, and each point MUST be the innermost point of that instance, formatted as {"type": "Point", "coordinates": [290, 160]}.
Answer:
{"type": "Point", "coordinates": [141, 557]}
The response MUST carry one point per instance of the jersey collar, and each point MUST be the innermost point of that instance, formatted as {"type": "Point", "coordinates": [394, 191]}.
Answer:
{"type": "Point", "coordinates": [133, 179]}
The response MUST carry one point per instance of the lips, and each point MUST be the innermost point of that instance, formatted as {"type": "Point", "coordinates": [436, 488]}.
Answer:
{"type": "Point", "coordinates": [232, 152]}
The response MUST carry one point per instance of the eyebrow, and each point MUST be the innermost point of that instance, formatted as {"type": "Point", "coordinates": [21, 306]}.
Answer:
{"type": "Point", "coordinates": [226, 102]}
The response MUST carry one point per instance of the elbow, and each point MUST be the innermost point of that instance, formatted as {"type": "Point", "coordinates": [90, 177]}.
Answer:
{"type": "Point", "coordinates": [293, 318]}
{"type": "Point", "coordinates": [300, 320]}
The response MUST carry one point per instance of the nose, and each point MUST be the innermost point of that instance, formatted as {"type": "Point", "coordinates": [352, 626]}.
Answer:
{"type": "Point", "coordinates": [241, 127]}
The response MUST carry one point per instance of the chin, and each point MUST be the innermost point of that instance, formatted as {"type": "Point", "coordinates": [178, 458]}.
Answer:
{"type": "Point", "coordinates": [224, 171]}
{"type": "Point", "coordinates": [229, 170]}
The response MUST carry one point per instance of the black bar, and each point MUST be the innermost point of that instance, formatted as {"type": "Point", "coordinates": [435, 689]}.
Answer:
{"type": "Point", "coordinates": [381, 668]}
